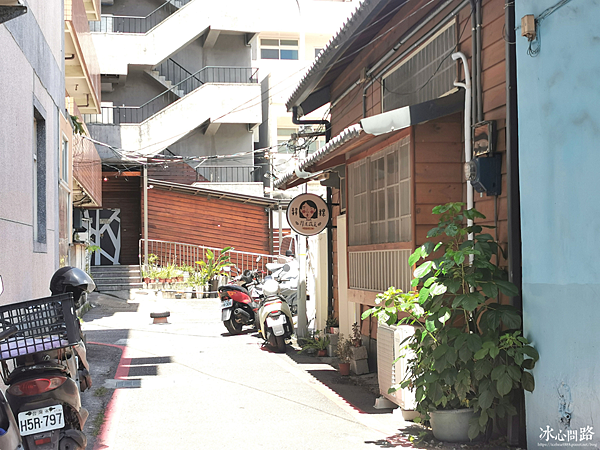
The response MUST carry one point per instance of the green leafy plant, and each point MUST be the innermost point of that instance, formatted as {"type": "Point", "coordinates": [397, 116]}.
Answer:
{"type": "Point", "coordinates": [214, 266]}
{"type": "Point", "coordinates": [318, 341]}
{"type": "Point", "coordinates": [77, 126]}
{"type": "Point", "coordinates": [332, 321]}
{"type": "Point", "coordinates": [467, 349]}
{"type": "Point", "coordinates": [344, 349]}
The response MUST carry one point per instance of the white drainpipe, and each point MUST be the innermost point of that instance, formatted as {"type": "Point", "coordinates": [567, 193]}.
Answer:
{"type": "Point", "coordinates": [467, 86]}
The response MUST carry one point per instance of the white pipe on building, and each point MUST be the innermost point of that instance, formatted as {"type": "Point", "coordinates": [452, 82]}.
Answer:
{"type": "Point", "coordinates": [467, 87]}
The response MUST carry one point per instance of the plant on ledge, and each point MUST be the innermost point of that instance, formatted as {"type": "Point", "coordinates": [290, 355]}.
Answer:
{"type": "Point", "coordinates": [467, 350]}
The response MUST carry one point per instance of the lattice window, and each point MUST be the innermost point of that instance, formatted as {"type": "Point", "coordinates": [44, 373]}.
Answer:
{"type": "Point", "coordinates": [379, 196]}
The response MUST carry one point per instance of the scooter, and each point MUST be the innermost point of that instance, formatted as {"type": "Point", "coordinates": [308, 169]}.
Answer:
{"type": "Point", "coordinates": [275, 317]}
{"type": "Point", "coordinates": [10, 439]}
{"type": "Point", "coordinates": [240, 302]}
{"type": "Point", "coordinates": [287, 275]}
{"type": "Point", "coordinates": [48, 364]}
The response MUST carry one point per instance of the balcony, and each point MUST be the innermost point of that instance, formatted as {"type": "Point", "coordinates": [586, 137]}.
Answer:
{"type": "Point", "coordinates": [82, 70]}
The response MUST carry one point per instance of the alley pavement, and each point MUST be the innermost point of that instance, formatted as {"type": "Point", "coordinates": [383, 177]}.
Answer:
{"type": "Point", "coordinates": [189, 384]}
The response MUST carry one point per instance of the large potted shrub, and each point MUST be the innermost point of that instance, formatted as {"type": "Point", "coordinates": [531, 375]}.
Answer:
{"type": "Point", "coordinates": [468, 351]}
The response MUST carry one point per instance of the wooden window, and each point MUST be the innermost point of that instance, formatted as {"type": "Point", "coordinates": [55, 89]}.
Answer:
{"type": "Point", "coordinates": [379, 196]}
{"type": "Point", "coordinates": [425, 75]}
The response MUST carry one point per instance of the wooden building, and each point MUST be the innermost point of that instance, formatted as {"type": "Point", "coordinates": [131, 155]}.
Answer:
{"type": "Point", "coordinates": [398, 127]}
{"type": "Point", "coordinates": [178, 212]}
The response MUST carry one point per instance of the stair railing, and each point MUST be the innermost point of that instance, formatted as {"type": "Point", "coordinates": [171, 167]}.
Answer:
{"type": "Point", "coordinates": [137, 114]}
{"type": "Point", "coordinates": [137, 24]}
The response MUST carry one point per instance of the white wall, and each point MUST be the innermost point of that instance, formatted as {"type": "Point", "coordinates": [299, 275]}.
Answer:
{"type": "Point", "coordinates": [31, 47]}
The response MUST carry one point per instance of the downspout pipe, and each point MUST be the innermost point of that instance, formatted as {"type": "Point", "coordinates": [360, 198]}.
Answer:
{"type": "Point", "coordinates": [516, 426]}
{"type": "Point", "coordinates": [467, 124]}
{"type": "Point", "coordinates": [297, 121]}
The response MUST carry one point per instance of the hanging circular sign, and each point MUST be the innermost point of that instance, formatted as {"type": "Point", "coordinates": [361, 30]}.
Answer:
{"type": "Point", "coordinates": [308, 214]}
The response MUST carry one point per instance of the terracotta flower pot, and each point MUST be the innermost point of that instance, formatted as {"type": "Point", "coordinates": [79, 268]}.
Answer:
{"type": "Point", "coordinates": [322, 353]}
{"type": "Point", "coordinates": [344, 368]}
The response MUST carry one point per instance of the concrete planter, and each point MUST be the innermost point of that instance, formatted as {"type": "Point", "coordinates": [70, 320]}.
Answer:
{"type": "Point", "coordinates": [451, 425]}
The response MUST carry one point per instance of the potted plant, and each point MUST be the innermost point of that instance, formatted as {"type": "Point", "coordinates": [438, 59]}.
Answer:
{"type": "Point", "coordinates": [317, 342]}
{"type": "Point", "coordinates": [344, 353]}
{"type": "Point", "coordinates": [468, 353]}
{"type": "Point", "coordinates": [214, 266]}
{"type": "Point", "coordinates": [332, 324]}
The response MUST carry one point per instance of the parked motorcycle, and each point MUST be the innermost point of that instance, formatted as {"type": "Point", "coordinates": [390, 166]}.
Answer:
{"type": "Point", "coordinates": [275, 317]}
{"type": "Point", "coordinates": [44, 364]}
{"type": "Point", "coordinates": [287, 275]}
{"type": "Point", "coordinates": [240, 302]}
{"type": "Point", "coordinates": [10, 439]}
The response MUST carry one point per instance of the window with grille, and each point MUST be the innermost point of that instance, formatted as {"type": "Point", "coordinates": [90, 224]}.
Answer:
{"type": "Point", "coordinates": [426, 75]}
{"type": "Point", "coordinates": [279, 49]}
{"type": "Point", "coordinates": [379, 196]}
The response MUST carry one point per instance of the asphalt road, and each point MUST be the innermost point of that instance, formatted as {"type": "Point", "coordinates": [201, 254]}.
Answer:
{"type": "Point", "coordinates": [190, 385]}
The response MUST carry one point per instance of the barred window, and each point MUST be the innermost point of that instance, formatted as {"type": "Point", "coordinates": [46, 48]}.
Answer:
{"type": "Point", "coordinates": [379, 196]}
{"type": "Point", "coordinates": [427, 74]}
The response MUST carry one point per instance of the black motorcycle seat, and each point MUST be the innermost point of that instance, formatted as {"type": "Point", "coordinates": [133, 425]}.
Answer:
{"type": "Point", "coordinates": [233, 287]}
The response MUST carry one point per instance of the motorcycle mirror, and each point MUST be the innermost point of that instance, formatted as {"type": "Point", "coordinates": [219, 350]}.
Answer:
{"type": "Point", "coordinates": [286, 268]}
{"type": "Point", "coordinates": [258, 259]}
{"type": "Point", "coordinates": [1, 285]}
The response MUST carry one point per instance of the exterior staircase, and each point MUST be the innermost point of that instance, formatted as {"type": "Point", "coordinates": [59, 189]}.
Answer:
{"type": "Point", "coordinates": [117, 278]}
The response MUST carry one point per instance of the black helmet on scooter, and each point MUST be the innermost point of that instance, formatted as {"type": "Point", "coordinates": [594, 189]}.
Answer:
{"type": "Point", "coordinates": [71, 279]}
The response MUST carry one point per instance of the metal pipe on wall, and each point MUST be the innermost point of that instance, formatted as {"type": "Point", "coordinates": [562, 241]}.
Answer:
{"type": "Point", "coordinates": [516, 426]}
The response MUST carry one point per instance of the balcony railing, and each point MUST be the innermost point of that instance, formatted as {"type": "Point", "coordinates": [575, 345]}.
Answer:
{"type": "Point", "coordinates": [132, 24]}
{"type": "Point", "coordinates": [228, 174]}
{"type": "Point", "coordinates": [137, 114]}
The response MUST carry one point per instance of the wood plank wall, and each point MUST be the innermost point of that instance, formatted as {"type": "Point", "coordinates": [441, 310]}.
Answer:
{"type": "Point", "coordinates": [350, 109]}
{"type": "Point", "coordinates": [494, 102]}
{"type": "Point", "coordinates": [194, 219]}
{"type": "Point", "coordinates": [124, 192]}
{"type": "Point", "coordinates": [439, 153]}
{"type": "Point", "coordinates": [438, 170]}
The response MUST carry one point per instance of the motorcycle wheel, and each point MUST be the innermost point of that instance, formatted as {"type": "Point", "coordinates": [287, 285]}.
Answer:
{"type": "Point", "coordinates": [280, 344]}
{"type": "Point", "coordinates": [232, 326]}
{"type": "Point", "coordinates": [69, 444]}
{"type": "Point", "coordinates": [277, 343]}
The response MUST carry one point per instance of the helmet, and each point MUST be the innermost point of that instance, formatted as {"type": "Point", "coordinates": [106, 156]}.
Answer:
{"type": "Point", "coordinates": [71, 279]}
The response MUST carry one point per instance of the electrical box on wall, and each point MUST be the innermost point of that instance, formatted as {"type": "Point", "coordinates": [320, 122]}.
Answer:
{"type": "Point", "coordinates": [78, 220]}
{"type": "Point", "coordinates": [485, 174]}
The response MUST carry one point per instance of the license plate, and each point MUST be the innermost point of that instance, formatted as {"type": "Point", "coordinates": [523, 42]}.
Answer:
{"type": "Point", "coordinates": [226, 303]}
{"type": "Point", "coordinates": [39, 420]}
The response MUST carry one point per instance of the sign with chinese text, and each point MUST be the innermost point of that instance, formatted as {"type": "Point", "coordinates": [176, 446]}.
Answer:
{"type": "Point", "coordinates": [308, 214]}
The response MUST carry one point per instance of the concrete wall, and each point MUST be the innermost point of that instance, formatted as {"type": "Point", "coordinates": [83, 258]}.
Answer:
{"type": "Point", "coordinates": [559, 132]}
{"type": "Point", "coordinates": [230, 138]}
{"type": "Point", "coordinates": [31, 48]}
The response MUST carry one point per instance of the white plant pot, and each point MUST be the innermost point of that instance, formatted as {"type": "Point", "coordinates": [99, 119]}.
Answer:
{"type": "Point", "coordinates": [451, 425]}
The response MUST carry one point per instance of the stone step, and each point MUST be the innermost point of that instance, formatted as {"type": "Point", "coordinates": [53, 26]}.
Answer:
{"type": "Point", "coordinates": [115, 273]}
{"type": "Point", "coordinates": [117, 280]}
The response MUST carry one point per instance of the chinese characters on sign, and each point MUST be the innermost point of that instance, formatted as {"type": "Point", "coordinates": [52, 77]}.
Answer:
{"type": "Point", "coordinates": [581, 437]}
{"type": "Point", "coordinates": [308, 214]}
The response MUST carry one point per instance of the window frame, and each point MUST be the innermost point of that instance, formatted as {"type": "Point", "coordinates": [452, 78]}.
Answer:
{"type": "Point", "coordinates": [367, 224]}
{"type": "Point", "coordinates": [280, 47]}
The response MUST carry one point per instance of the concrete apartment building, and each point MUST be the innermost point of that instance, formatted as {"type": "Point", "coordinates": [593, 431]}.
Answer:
{"type": "Point", "coordinates": [184, 77]}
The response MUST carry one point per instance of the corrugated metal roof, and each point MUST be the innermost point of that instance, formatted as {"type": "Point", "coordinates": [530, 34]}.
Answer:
{"type": "Point", "coordinates": [353, 131]}
{"type": "Point", "coordinates": [264, 201]}
{"type": "Point", "coordinates": [333, 49]}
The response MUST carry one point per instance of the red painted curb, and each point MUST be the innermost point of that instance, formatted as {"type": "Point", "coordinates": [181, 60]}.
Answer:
{"type": "Point", "coordinates": [105, 438]}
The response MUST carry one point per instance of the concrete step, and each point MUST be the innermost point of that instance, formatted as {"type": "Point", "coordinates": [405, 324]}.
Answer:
{"type": "Point", "coordinates": [118, 280]}
{"type": "Point", "coordinates": [115, 273]}
{"type": "Point", "coordinates": [121, 287]}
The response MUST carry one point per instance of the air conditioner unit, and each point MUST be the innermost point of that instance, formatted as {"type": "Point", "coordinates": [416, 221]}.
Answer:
{"type": "Point", "coordinates": [389, 339]}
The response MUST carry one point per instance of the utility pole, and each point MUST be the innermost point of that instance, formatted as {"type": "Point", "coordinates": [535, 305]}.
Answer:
{"type": "Point", "coordinates": [145, 216]}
